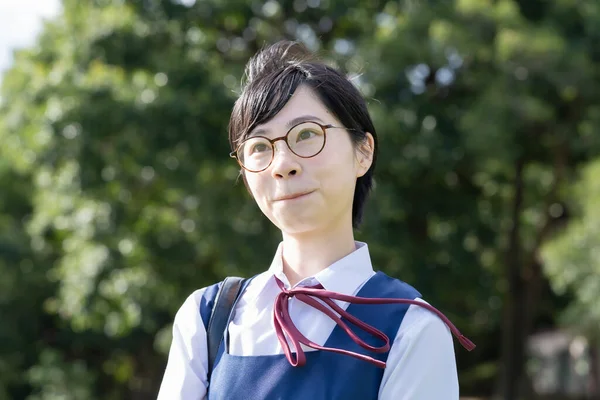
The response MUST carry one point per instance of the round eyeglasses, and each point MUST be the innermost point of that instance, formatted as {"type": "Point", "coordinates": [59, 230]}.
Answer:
{"type": "Point", "coordinates": [306, 140]}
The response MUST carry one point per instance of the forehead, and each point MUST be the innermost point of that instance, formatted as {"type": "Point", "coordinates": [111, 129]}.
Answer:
{"type": "Point", "coordinates": [304, 105]}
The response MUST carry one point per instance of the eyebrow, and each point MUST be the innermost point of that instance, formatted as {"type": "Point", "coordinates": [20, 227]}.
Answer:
{"type": "Point", "coordinates": [289, 124]}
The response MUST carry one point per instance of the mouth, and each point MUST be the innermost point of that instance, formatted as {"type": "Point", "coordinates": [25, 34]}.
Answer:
{"type": "Point", "coordinates": [294, 196]}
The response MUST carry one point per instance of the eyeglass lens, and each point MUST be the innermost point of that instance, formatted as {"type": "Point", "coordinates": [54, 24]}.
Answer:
{"type": "Point", "coordinates": [304, 140]}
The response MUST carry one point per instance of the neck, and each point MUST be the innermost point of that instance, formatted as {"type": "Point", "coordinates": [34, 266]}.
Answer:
{"type": "Point", "coordinates": [307, 254]}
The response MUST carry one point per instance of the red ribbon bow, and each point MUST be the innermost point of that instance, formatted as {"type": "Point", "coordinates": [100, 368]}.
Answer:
{"type": "Point", "coordinates": [309, 295]}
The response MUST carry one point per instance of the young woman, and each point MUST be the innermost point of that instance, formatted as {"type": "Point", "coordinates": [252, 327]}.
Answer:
{"type": "Point", "coordinates": [307, 147]}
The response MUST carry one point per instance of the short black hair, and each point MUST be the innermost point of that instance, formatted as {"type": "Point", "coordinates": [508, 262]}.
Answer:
{"type": "Point", "coordinates": [272, 76]}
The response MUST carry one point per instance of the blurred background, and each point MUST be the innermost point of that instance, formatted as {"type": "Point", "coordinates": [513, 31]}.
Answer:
{"type": "Point", "coordinates": [118, 198]}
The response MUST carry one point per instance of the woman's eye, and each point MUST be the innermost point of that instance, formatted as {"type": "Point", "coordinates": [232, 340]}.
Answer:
{"type": "Point", "coordinates": [304, 135]}
{"type": "Point", "coordinates": [259, 148]}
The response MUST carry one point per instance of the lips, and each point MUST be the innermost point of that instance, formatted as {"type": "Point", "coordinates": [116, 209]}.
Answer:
{"type": "Point", "coordinates": [293, 196]}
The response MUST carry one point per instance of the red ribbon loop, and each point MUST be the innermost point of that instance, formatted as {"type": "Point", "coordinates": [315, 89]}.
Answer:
{"type": "Point", "coordinates": [285, 328]}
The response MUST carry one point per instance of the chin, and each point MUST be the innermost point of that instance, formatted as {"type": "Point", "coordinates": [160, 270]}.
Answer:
{"type": "Point", "coordinates": [297, 226]}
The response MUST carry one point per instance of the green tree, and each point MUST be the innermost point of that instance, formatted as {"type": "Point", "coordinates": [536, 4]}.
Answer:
{"type": "Point", "coordinates": [22, 288]}
{"type": "Point", "coordinates": [571, 262]}
{"type": "Point", "coordinates": [497, 114]}
{"type": "Point", "coordinates": [115, 146]}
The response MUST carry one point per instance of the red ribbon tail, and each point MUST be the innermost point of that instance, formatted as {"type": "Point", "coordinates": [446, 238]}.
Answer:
{"type": "Point", "coordinates": [467, 344]}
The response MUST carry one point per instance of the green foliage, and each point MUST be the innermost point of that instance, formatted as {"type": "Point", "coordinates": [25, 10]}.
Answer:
{"type": "Point", "coordinates": [120, 199]}
{"type": "Point", "coordinates": [572, 258]}
{"type": "Point", "coordinates": [56, 379]}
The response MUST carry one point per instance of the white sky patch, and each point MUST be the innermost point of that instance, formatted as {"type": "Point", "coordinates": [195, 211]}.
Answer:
{"type": "Point", "coordinates": [21, 22]}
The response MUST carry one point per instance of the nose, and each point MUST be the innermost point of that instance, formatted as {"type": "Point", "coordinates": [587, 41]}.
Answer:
{"type": "Point", "coordinates": [285, 163]}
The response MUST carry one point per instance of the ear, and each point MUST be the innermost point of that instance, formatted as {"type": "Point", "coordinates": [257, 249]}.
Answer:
{"type": "Point", "coordinates": [364, 155]}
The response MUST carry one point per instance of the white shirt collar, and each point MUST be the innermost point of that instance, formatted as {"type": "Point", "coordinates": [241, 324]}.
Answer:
{"type": "Point", "coordinates": [343, 276]}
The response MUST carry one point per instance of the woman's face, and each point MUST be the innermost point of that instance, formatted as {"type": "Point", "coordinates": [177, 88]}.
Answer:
{"type": "Point", "coordinates": [302, 195]}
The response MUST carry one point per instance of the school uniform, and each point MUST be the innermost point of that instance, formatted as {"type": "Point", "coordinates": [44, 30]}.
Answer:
{"type": "Point", "coordinates": [420, 364]}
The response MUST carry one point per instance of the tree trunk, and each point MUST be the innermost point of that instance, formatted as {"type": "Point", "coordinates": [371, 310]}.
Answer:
{"type": "Point", "coordinates": [513, 335]}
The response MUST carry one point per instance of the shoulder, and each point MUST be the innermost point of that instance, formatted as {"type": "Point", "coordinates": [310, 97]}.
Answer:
{"type": "Point", "coordinates": [197, 306]}
{"type": "Point", "coordinates": [421, 325]}
{"type": "Point", "coordinates": [418, 320]}
{"type": "Point", "coordinates": [386, 286]}
{"type": "Point", "coordinates": [421, 360]}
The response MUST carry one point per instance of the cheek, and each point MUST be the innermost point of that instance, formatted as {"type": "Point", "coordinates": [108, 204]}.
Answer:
{"type": "Point", "coordinates": [340, 184]}
{"type": "Point", "coordinates": [258, 189]}
{"type": "Point", "coordinates": [254, 185]}
{"type": "Point", "coordinates": [338, 174]}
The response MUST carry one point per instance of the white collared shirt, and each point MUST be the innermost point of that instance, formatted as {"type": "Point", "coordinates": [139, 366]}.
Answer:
{"type": "Point", "coordinates": [420, 366]}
